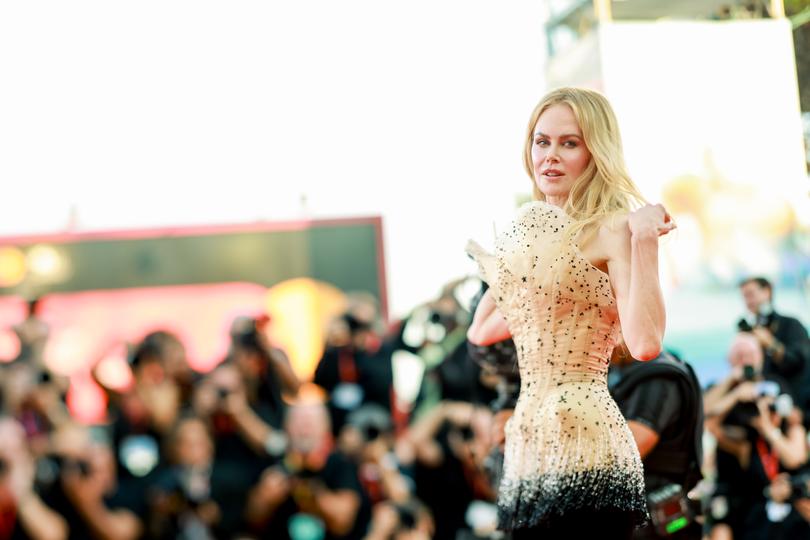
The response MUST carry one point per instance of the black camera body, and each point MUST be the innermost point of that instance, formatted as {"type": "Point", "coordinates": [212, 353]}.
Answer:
{"type": "Point", "coordinates": [799, 488]}
{"type": "Point", "coordinates": [744, 326]}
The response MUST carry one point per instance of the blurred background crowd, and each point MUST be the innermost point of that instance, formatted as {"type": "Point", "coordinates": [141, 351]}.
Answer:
{"type": "Point", "coordinates": [249, 450]}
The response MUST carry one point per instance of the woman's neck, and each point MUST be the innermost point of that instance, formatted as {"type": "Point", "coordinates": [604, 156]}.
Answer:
{"type": "Point", "coordinates": [557, 201]}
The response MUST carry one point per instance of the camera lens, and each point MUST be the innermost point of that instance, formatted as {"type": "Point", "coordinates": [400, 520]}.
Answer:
{"type": "Point", "coordinates": [371, 433]}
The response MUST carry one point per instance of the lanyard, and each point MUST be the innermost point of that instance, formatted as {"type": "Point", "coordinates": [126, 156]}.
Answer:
{"type": "Point", "coordinates": [770, 462]}
{"type": "Point", "coordinates": [347, 368]}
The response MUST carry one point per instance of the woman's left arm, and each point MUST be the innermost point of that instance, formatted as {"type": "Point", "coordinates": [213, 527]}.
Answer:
{"type": "Point", "coordinates": [633, 270]}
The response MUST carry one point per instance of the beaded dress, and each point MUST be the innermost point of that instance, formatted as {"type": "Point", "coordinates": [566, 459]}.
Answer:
{"type": "Point", "coordinates": [568, 447]}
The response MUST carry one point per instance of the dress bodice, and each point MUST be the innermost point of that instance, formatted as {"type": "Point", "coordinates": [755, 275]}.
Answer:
{"type": "Point", "coordinates": [559, 308]}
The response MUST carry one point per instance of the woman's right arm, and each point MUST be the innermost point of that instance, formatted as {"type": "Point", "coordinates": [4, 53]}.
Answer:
{"type": "Point", "coordinates": [488, 325]}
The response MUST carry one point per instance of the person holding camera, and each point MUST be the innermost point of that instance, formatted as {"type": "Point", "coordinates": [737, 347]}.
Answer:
{"type": "Point", "coordinates": [314, 489]}
{"type": "Point", "coordinates": [247, 432]}
{"type": "Point", "coordinates": [79, 481]}
{"type": "Point", "coordinates": [368, 440]}
{"type": "Point", "coordinates": [451, 444]}
{"type": "Point", "coordinates": [759, 435]}
{"type": "Point", "coordinates": [23, 513]}
{"type": "Point", "coordinates": [356, 367]}
{"type": "Point", "coordinates": [662, 403]}
{"type": "Point", "coordinates": [783, 339]}
{"type": "Point", "coordinates": [195, 496]}
{"type": "Point", "coordinates": [791, 493]}
{"type": "Point", "coordinates": [401, 521]}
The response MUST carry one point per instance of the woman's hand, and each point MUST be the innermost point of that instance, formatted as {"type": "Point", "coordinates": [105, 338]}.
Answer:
{"type": "Point", "coordinates": [650, 220]}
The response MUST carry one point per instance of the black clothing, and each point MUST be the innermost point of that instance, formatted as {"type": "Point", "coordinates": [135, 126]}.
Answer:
{"type": "Point", "coordinates": [664, 395]}
{"type": "Point", "coordinates": [339, 473]}
{"type": "Point", "coordinates": [444, 489]}
{"type": "Point", "coordinates": [604, 525]}
{"type": "Point", "coordinates": [359, 376]}
{"type": "Point", "coordinates": [227, 486]}
{"type": "Point", "coordinates": [794, 364]}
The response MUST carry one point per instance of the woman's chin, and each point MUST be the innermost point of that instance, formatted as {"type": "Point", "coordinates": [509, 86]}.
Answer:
{"type": "Point", "coordinates": [553, 189]}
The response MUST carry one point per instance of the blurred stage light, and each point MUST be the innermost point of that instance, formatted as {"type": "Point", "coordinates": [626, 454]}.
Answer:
{"type": "Point", "coordinates": [300, 310]}
{"type": "Point", "coordinates": [47, 263]}
{"type": "Point", "coordinates": [12, 266]}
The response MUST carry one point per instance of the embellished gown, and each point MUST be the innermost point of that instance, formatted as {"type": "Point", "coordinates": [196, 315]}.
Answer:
{"type": "Point", "coordinates": [568, 448]}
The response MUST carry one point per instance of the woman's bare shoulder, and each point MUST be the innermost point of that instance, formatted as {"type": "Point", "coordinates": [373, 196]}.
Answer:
{"type": "Point", "coordinates": [614, 228]}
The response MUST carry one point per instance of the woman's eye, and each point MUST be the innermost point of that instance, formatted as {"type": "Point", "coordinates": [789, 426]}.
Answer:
{"type": "Point", "coordinates": [541, 142]}
{"type": "Point", "coordinates": [570, 144]}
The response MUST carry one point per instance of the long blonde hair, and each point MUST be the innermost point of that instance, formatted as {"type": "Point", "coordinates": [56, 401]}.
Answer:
{"type": "Point", "coordinates": [604, 188]}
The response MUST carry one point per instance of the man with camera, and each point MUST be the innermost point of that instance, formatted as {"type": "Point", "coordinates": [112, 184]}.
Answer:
{"type": "Point", "coordinates": [661, 401]}
{"type": "Point", "coordinates": [759, 435]}
{"type": "Point", "coordinates": [79, 480]}
{"type": "Point", "coordinates": [783, 339]}
{"type": "Point", "coordinates": [23, 514]}
{"type": "Point", "coordinates": [314, 488]}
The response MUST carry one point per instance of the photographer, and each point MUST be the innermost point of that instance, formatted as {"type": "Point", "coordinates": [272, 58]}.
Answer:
{"type": "Point", "coordinates": [368, 440]}
{"type": "Point", "coordinates": [784, 340]}
{"type": "Point", "coordinates": [195, 496]}
{"type": "Point", "coordinates": [451, 444]}
{"type": "Point", "coordinates": [408, 521]}
{"type": "Point", "coordinates": [759, 435]}
{"type": "Point", "coordinates": [243, 427]}
{"type": "Point", "coordinates": [144, 413]}
{"type": "Point", "coordinates": [313, 488]}
{"type": "Point", "coordinates": [791, 495]}
{"type": "Point", "coordinates": [34, 397]}
{"type": "Point", "coordinates": [23, 514]}
{"type": "Point", "coordinates": [661, 401]}
{"type": "Point", "coordinates": [266, 370]}
{"type": "Point", "coordinates": [356, 366]}
{"type": "Point", "coordinates": [79, 482]}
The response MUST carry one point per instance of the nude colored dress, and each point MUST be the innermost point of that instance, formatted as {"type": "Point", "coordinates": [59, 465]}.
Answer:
{"type": "Point", "coordinates": [567, 446]}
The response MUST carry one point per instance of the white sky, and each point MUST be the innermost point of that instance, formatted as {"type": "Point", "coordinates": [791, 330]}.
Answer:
{"type": "Point", "coordinates": [179, 112]}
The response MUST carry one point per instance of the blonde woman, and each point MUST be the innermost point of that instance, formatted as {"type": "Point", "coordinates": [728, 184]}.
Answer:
{"type": "Point", "coordinates": [577, 267]}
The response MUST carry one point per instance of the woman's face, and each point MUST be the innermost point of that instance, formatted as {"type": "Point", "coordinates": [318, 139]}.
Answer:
{"type": "Point", "coordinates": [559, 154]}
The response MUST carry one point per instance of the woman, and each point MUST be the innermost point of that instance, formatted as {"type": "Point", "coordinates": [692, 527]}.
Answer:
{"type": "Point", "coordinates": [578, 266]}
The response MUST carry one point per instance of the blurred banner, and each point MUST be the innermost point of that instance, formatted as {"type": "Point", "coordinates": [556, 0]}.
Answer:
{"type": "Point", "coordinates": [101, 290]}
{"type": "Point", "coordinates": [711, 124]}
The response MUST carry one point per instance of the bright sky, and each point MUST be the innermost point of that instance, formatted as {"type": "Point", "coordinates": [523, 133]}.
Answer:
{"type": "Point", "coordinates": [186, 112]}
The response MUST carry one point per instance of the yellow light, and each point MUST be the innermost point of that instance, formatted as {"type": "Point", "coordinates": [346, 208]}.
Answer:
{"type": "Point", "coordinates": [12, 266]}
{"type": "Point", "coordinates": [300, 310]}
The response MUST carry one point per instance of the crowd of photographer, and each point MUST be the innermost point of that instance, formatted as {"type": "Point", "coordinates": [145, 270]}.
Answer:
{"type": "Point", "coordinates": [242, 451]}
{"type": "Point", "coordinates": [248, 451]}
{"type": "Point", "coordinates": [758, 415]}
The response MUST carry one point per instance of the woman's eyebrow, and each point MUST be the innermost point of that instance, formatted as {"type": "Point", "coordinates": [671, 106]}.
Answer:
{"type": "Point", "coordinates": [564, 135]}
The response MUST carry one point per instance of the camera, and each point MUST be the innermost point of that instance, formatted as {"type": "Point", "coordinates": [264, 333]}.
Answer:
{"type": "Point", "coordinates": [749, 373]}
{"type": "Point", "coordinates": [407, 516]}
{"type": "Point", "coordinates": [371, 433]}
{"type": "Point", "coordinates": [798, 486]}
{"type": "Point", "coordinates": [466, 433]}
{"type": "Point", "coordinates": [767, 389]}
